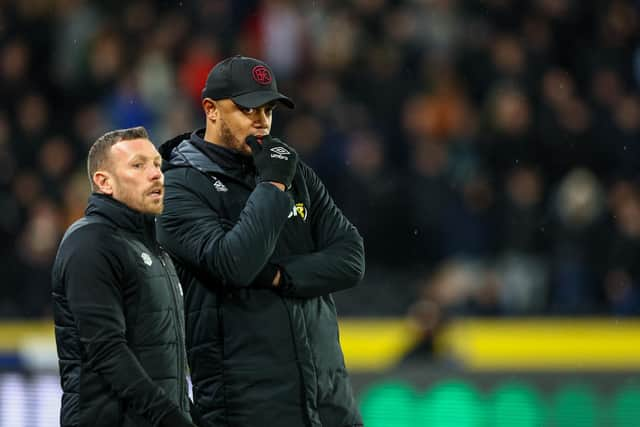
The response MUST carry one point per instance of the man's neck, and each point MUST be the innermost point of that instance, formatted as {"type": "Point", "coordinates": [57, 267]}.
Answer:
{"type": "Point", "coordinates": [210, 135]}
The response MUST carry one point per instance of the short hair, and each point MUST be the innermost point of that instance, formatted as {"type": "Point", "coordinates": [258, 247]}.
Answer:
{"type": "Point", "coordinates": [99, 151]}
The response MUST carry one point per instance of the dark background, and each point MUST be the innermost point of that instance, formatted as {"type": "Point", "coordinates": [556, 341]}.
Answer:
{"type": "Point", "coordinates": [487, 150]}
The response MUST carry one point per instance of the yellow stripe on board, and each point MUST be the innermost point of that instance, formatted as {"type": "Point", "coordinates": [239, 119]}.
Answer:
{"type": "Point", "coordinates": [14, 334]}
{"type": "Point", "coordinates": [368, 344]}
{"type": "Point", "coordinates": [544, 344]}
{"type": "Point", "coordinates": [373, 344]}
{"type": "Point", "coordinates": [534, 344]}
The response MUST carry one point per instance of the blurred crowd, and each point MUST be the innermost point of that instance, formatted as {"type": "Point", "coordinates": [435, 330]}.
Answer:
{"type": "Point", "coordinates": [488, 150]}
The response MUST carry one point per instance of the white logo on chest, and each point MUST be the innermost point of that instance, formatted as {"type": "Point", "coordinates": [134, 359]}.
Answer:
{"type": "Point", "coordinates": [146, 258]}
{"type": "Point", "coordinates": [219, 186]}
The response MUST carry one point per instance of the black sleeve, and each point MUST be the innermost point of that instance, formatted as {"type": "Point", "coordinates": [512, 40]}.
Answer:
{"type": "Point", "coordinates": [200, 238]}
{"type": "Point", "coordinates": [93, 275]}
{"type": "Point", "coordinates": [339, 261]}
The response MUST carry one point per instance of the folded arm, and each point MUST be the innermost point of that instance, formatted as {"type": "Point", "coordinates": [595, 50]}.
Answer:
{"type": "Point", "coordinates": [197, 235]}
{"type": "Point", "coordinates": [338, 262]}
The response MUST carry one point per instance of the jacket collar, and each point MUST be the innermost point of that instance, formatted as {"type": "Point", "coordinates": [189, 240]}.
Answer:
{"type": "Point", "coordinates": [226, 158]}
{"type": "Point", "coordinates": [191, 150]}
{"type": "Point", "coordinates": [121, 216]}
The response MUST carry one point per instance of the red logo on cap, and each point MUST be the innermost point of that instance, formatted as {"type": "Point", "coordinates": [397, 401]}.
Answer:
{"type": "Point", "coordinates": [261, 74]}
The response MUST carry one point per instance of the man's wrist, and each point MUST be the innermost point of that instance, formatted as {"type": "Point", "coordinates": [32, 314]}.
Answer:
{"type": "Point", "coordinates": [276, 279]}
{"type": "Point", "coordinates": [265, 277]}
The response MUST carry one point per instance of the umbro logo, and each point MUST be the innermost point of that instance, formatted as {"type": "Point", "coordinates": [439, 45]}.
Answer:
{"type": "Point", "coordinates": [280, 150]}
{"type": "Point", "coordinates": [219, 186]}
{"type": "Point", "coordinates": [280, 153]}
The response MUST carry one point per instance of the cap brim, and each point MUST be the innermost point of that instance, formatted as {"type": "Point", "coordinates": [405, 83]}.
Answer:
{"type": "Point", "coordinates": [259, 98]}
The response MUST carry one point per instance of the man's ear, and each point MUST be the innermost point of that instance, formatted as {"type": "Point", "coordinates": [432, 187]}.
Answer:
{"type": "Point", "coordinates": [210, 108]}
{"type": "Point", "coordinates": [103, 182]}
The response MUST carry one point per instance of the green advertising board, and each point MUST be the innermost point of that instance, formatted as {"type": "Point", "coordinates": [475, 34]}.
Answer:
{"type": "Point", "coordinates": [501, 400]}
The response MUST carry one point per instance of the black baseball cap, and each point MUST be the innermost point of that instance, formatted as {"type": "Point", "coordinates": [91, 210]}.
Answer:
{"type": "Point", "coordinates": [248, 82]}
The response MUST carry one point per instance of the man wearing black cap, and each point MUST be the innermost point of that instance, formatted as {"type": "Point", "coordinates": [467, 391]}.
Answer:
{"type": "Point", "coordinates": [259, 246]}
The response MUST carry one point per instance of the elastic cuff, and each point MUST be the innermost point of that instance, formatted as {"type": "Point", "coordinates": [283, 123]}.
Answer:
{"type": "Point", "coordinates": [264, 279]}
{"type": "Point", "coordinates": [286, 282]}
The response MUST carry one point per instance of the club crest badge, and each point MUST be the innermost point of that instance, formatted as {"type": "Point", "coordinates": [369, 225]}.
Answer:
{"type": "Point", "coordinates": [299, 210]}
{"type": "Point", "coordinates": [146, 258]}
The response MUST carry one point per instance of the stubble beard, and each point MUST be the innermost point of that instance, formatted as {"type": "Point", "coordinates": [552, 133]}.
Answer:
{"type": "Point", "coordinates": [227, 139]}
{"type": "Point", "coordinates": [140, 203]}
{"type": "Point", "coordinates": [150, 206]}
{"type": "Point", "coordinates": [154, 208]}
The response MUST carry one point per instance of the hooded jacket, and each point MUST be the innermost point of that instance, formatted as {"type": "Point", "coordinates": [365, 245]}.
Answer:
{"type": "Point", "coordinates": [259, 355]}
{"type": "Point", "coordinates": [119, 323]}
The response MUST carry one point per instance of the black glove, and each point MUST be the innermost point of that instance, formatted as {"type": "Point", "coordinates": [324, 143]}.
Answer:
{"type": "Point", "coordinates": [274, 160]}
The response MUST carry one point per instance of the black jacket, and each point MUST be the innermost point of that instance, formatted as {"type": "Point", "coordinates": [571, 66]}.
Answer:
{"type": "Point", "coordinates": [119, 322]}
{"type": "Point", "coordinates": [259, 357]}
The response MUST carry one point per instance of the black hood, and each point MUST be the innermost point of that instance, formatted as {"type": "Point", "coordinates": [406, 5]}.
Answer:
{"type": "Point", "coordinates": [180, 152]}
{"type": "Point", "coordinates": [166, 148]}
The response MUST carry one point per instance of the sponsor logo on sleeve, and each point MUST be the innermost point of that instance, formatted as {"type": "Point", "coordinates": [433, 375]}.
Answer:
{"type": "Point", "coordinates": [299, 210]}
